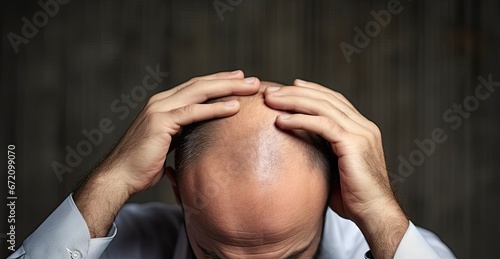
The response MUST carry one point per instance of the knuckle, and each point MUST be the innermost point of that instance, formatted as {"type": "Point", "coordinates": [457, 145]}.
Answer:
{"type": "Point", "coordinates": [153, 99]}
{"type": "Point", "coordinates": [194, 79]}
{"type": "Point", "coordinates": [332, 94]}
{"type": "Point", "coordinates": [375, 129]}
{"type": "Point", "coordinates": [185, 110]}
{"type": "Point", "coordinates": [327, 105]}
{"type": "Point", "coordinates": [342, 114]}
{"type": "Point", "coordinates": [153, 107]}
{"type": "Point", "coordinates": [176, 115]}
{"type": "Point", "coordinates": [330, 125]}
{"type": "Point", "coordinates": [341, 96]}
{"type": "Point", "coordinates": [367, 136]}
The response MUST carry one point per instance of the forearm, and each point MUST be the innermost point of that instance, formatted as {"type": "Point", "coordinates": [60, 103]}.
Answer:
{"type": "Point", "coordinates": [384, 229]}
{"type": "Point", "coordinates": [99, 199]}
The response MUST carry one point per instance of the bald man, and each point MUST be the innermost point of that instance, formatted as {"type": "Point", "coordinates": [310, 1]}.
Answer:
{"type": "Point", "coordinates": [259, 169]}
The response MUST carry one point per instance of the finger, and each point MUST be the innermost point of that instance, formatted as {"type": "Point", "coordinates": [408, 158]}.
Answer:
{"type": "Point", "coordinates": [220, 75]}
{"type": "Point", "coordinates": [314, 94]}
{"type": "Point", "coordinates": [319, 125]}
{"type": "Point", "coordinates": [312, 85]}
{"type": "Point", "coordinates": [200, 112]}
{"type": "Point", "coordinates": [311, 106]}
{"type": "Point", "coordinates": [201, 91]}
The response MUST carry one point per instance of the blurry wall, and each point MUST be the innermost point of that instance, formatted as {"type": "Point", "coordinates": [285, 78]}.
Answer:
{"type": "Point", "coordinates": [425, 60]}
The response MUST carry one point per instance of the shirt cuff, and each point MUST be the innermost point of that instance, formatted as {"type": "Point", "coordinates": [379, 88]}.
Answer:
{"type": "Point", "coordinates": [64, 234]}
{"type": "Point", "coordinates": [414, 245]}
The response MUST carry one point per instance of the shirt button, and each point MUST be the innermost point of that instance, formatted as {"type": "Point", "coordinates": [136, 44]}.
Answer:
{"type": "Point", "coordinates": [75, 255]}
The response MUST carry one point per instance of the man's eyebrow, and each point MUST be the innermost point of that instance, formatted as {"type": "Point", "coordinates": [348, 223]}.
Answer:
{"type": "Point", "coordinates": [294, 255]}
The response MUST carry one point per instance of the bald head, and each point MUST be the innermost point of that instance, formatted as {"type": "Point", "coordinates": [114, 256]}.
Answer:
{"type": "Point", "coordinates": [258, 191]}
{"type": "Point", "coordinates": [254, 121]}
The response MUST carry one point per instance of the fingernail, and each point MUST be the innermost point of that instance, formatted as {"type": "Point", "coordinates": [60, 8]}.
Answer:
{"type": "Point", "coordinates": [300, 81]}
{"type": "Point", "coordinates": [273, 88]}
{"type": "Point", "coordinates": [236, 71]}
{"type": "Point", "coordinates": [249, 80]}
{"type": "Point", "coordinates": [231, 103]}
{"type": "Point", "coordinates": [285, 116]}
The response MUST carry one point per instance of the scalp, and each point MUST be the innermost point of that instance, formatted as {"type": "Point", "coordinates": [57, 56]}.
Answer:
{"type": "Point", "coordinates": [243, 170]}
{"type": "Point", "coordinates": [250, 133]}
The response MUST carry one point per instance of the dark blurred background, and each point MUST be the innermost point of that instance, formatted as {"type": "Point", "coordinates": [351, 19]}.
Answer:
{"type": "Point", "coordinates": [64, 78]}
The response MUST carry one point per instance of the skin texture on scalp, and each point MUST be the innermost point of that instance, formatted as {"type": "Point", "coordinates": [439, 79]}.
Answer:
{"type": "Point", "coordinates": [256, 190]}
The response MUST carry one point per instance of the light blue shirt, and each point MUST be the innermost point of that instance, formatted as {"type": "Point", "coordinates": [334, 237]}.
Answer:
{"type": "Point", "coordinates": [156, 230]}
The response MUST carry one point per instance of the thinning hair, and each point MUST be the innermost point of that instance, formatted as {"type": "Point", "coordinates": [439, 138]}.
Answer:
{"type": "Point", "coordinates": [196, 139]}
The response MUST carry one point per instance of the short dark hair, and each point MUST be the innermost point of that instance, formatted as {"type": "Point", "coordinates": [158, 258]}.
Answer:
{"type": "Point", "coordinates": [196, 138]}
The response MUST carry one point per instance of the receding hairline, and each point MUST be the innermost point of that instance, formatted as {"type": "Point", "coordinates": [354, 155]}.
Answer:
{"type": "Point", "coordinates": [198, 137]}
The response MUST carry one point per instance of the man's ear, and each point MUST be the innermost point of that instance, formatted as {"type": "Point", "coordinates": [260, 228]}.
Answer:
{"type": "Point", "coordinates": [170, 173]}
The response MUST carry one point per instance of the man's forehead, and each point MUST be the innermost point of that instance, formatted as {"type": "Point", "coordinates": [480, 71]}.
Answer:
{"type": "Point", "coordinates": [249, 230]}
{"type": "Point", "coordinates": [243, 201]}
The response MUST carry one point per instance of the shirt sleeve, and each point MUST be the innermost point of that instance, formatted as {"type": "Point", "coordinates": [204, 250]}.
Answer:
{"type": "Point", "coordinates": [64, 234]}
{"type": "Point", "coordinates": [421, 243]}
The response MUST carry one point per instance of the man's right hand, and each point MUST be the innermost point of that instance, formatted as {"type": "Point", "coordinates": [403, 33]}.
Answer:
{"type": "Point", "coordinates": [137, 162]}
{"type": "Point", "coordinates": [140, 155]}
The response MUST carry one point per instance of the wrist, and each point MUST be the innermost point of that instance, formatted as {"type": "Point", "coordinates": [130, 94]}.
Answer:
{"type": "Point", "coordinates": [113, 186]}
{"type": "Point", "coordinates": [377, 216]}
{"type": "Point", "coordinates": [111, 174]}
{"type": "Point", "coordinates": [383, 228]}
{"type": "Point", "coordinates": [99, 199]}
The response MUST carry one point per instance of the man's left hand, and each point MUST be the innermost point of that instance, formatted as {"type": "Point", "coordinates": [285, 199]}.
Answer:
{"type": "Point", "coordinates": [364, 195]}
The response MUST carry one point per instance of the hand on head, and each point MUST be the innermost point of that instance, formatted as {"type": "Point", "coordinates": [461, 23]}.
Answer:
{"type": "Point", "coordinates": [265, 169]}
{"type": "Point", "coordinates": [364, 194]}
{"type": "Point", "coordinates": [140, 156]}
{"type": "Point", "coordinates": [137, 162]}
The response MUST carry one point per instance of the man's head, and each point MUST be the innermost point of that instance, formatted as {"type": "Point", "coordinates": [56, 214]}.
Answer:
{"type": "Point", "coordinates": [249, 189]}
